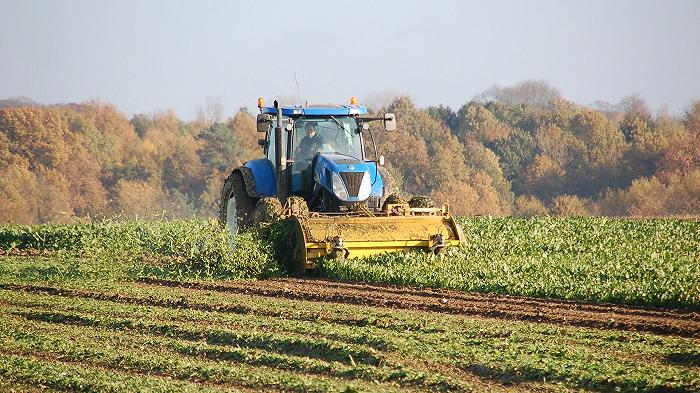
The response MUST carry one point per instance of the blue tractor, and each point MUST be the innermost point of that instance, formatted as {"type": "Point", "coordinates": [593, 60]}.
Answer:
{"type": "Point", "coordinates": [318, 170]}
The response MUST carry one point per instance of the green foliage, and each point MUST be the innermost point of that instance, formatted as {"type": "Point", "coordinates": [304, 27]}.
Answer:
{"type": "Point", "coordinates": [646, 262]}
{"type": "Point", "coordinates": [201, 336]}
{"type": "Point", "coordinates": [515, 153]}
{"type": "Point", "coordinates": [177, 248]}
{"type": "Point", "coordinates": [650, 262]}
{"type": "Point", "coordinates": [75, 319]}
{"type": "Point", "coordinates": [219, 147]}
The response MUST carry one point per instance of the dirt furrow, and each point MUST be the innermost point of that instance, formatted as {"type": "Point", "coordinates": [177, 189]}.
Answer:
{"type": "Point", "coordinates": [680, 322]}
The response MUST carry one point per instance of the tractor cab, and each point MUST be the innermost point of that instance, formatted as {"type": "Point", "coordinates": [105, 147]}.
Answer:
{"type": "Point", "coordinates": [323, 154]}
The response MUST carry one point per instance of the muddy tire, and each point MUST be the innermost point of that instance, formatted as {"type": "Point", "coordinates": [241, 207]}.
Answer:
{"type": "Point", "coordinates": [237, 207]}
{"type": "Point", "coordinates": [394, 198]}
{"type": "Point", "coordinates": [297, 206]}
{"type": "Point", "coordinates": [421, 201]}
{"type": "Point", "coordinates": [297, 247]}
{"type": "Point", "coordinates": [388, 183]}
{"type": "Point", "coordinates": [267, 210]}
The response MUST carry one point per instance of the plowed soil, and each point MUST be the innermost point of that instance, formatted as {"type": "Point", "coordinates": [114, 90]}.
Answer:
{"type": "Point", "coordinates": [679, 322]}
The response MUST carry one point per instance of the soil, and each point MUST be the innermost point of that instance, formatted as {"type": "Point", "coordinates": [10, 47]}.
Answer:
{"type": "Point", "coordinates": [25, 252]}
{"type": "Point", "coordinates": [663, 321]}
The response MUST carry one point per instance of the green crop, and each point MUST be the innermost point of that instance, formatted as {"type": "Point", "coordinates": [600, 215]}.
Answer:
{"type": "Point", "coordinates": [645, 262]}
{"type": "Point", "coordinates": [81, 310]}
{"type": "Point", "coordinates": [144, 337]}
{"type": "Point", "coordinates": [177, 248]}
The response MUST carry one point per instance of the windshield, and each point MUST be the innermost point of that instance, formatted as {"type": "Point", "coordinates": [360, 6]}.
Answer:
{"type": "Point", "coordinates": [326, 134]}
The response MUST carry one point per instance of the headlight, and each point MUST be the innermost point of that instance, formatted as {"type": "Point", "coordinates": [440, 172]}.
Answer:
{"type": "Point", "coordinates": [365, 187]}
{"type": "Point", "coordinates": [339, 187]}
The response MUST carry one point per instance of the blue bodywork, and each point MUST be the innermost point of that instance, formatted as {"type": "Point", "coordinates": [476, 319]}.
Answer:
{"type": "Point", "coordinates": [336, 110]}
{"type": "Point", "coordinates": [326, 164]}
{"type": "Point", "coordinates": [264, 176]}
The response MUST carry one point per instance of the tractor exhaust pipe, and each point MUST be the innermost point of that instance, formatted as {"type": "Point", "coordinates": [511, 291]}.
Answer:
{"type": "Point", "coordinates": [280, 163]}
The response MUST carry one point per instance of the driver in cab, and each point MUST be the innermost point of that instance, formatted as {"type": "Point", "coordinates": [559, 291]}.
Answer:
{"type": "Point", "coordinates": [311, 143]}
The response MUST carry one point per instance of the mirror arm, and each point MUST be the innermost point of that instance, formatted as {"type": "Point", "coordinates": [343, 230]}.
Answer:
{"type": "Point", "coordinates": [369, 119]}
{"type": "Point", "coordinates": [376, 156]}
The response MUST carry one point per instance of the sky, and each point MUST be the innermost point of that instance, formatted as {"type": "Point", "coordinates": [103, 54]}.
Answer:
{"type": "Point", "coordinates": [150, 56]}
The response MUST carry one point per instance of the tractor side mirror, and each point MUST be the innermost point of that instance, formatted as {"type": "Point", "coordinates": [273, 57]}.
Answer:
{"type": "Point", "coordinates": [264, 122]}
{"type": "Point", "coordinates": [389, 122]}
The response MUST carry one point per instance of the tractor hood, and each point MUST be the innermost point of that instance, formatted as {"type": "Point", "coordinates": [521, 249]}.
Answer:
{"type": "Point", "coordinates": [347, 177]}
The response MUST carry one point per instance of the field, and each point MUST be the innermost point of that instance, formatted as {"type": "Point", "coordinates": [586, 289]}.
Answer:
{"type": "Point", "coordinates": [165, 306]}
{"type": "Point", "coordinates": [642, 262]}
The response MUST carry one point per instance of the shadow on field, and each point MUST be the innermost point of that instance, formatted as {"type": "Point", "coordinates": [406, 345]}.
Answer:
{"type": "Point", "coordinates": [289, 345]}
{"type": "Point", "coordinates": [508, 376]}
{"type": "Point", "coordinates": [691, 359]}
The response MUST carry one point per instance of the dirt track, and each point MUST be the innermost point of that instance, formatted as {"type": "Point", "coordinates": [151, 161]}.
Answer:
{"type": "Point", "coordinates": [560, 312]}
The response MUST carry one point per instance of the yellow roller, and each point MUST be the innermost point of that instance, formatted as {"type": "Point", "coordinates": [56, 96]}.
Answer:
{"type": "Point", "coordinates": [347, 236]}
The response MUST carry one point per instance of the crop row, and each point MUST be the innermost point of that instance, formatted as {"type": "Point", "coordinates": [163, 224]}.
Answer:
{"type": "Point", "coordinates": [372, 329]}
{"type": "Point", "coordinates": [176, 248]}
{"type": "Point", "coordinates": [220, 357]}
{"type": "Point", "coordinates": [314, 340]}
{"type": "Point", "coordinates": [643, 262]}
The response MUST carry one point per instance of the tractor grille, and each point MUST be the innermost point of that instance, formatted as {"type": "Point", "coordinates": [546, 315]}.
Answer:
{"type": "Point", "coordinates": [352, 182]}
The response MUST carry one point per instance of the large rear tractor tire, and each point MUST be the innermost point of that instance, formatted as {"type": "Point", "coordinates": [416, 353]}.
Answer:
{"type": "Point", "coordinates": [297, 206]}
{"type": "Point", "coordinates": [297, 247]}
{"type": "Point", "coordinates": [388, 184]}
{"type": "Point", "coordinates": [267, 210]}
{"type": "Point", "coordinates": [297, 241]}
{"type": "Point", "coordinates": [237, 207]}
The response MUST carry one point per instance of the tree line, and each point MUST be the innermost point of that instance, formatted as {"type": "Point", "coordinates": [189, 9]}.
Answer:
{"type": "Point", "coordinates": [521, 150]}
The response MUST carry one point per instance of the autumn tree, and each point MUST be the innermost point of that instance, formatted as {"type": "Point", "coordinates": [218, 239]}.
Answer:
{"type": "Point", "coordinates": [532, 92]}
{"type": "Point", "coordinates": [568, 206]}
{"type": "Point", "coordinates": [20, 195]}
{"type": "Point", "coordinates": [513, 151]}
{"type": "Point", "coordinates": [692, 119]}
{"type": "Point", "coordinates": [219, 147]}
{"type": "Point", "coordinates": [244, 130]}
{"type": "Point", "coordinates": [182, 170]}
{"type": "Point", "coordinates": [437, 163]}
{"type": "Point", "coordinates": [475, 121]}
{"type": "Point", "coordinates": [529, 206]}
{"type": "Point", "coordinates": [446, 115]}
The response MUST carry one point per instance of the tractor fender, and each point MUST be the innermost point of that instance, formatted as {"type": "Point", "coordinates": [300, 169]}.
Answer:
{"type": "Point", "coordinates": [259, 178]}
{"type": "Point", "coordinates": [248, 181]}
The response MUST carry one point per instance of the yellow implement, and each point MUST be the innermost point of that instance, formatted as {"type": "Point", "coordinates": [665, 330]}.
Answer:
{"type": "Point", "coordinates": [348, 236]}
